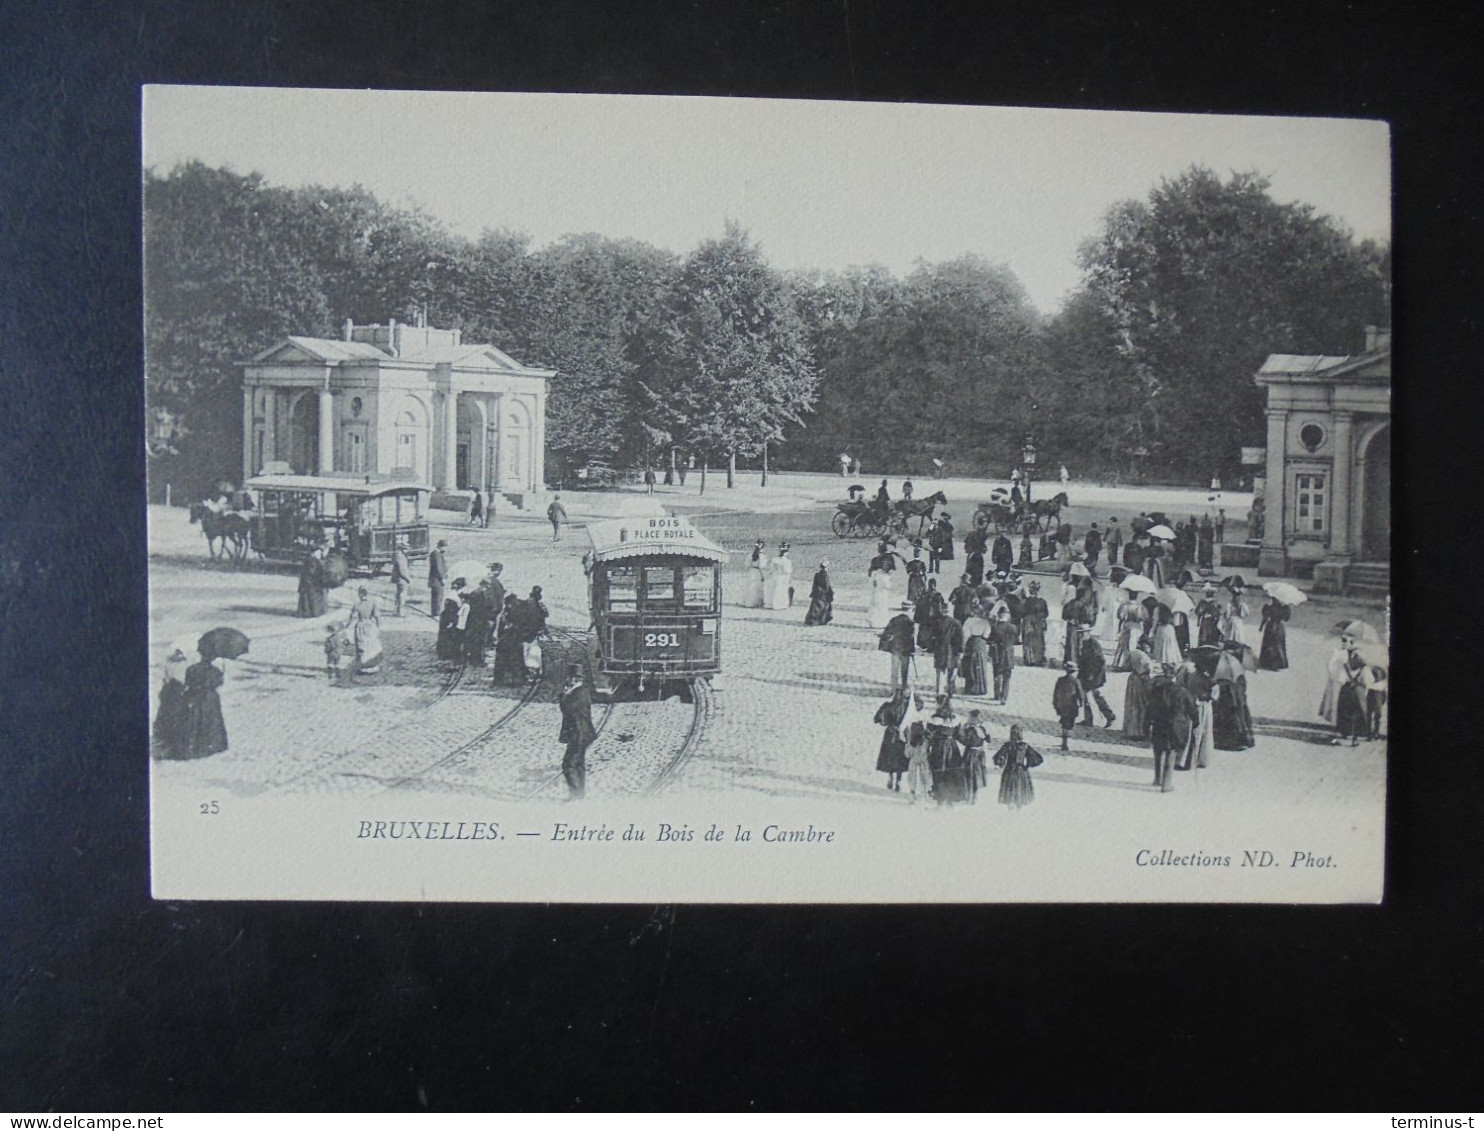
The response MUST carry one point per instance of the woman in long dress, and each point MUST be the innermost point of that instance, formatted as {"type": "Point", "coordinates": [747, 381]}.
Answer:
{"type": "Point", "coordinates": [364, 627]}
{"type": "Point", "coordinates": [973, 736]}
{"type": "Point", "coordinates": [780, 579]}
{"type": "Point", "coordinates": [1136, 695]}
{"type": "Point", "coordinates": [1182, 631]}
{"type": "Point", "coordinates": [1231, 720]}
{"type": "Point", "coordinates": [1016, 760]}
{"type": "Point", "coordinates": [878, 609]}
{"type": "Point", "coordinates": [1208, 618]}
{"type": "Point", "coordinates": [919, 767]}
{"type": "Point", "coordinates": [1350, 708]}
{"type": "Point", "coordinates": [1131, 621]}
{"type": "Point", "coordinates": [1273, 656]}
{"type": "Point", "coordinates": [312, 601]}
{"type": "Point", "coordinates": [1154, 564]}
{"type": "Point", "coordinates": [754, 591]}
{"type": "Point", "coordinates": [1232, 625]}
{"type": "Point", "coordinates": [510, 664]}
{"type": "Point", "coordinates": [945, 756]}
{"type": "Point", "coordinates": [450, 637]}
{"type": "Point", "coordinates": [1205, 692]}
{"type": "Point", "coordinates": [976, 653]}
{"type": "Point", "coordinates": [1033, 614]}
{"type": "Point", "coordinates": [172, 723]}
{"type": "Point", "coordinates": [821, 598]}
{"type": "Point", "coordinates": [898, 715]}
{"type": "Point", "coordinates": [206, 730]}
{"type": "Point", "coordinates": [916, 575]}
{"type": "Point", "coordinates": [1165, 648]}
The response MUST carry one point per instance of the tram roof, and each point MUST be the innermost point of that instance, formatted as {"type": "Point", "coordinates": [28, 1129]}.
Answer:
{"type": "Point", "coordinates": [359, 485]}
{"type": "Point", "coordinates": [636, 538]}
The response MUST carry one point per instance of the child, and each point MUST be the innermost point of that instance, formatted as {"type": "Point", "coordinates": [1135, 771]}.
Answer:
{"type": "Point", "coordinates": [919, 770]}
{"type": "Point", "coordinates": [332, 651]}
{"type": "Point", "coordinates": [1068, 700]}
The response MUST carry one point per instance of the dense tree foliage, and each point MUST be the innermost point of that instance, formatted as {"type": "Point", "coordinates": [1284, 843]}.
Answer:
{"type": "Point", "coordinates": [723, 358]}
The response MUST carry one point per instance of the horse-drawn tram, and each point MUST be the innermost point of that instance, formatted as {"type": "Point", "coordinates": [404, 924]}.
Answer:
{"type": "Point", "coordinates": [358, 517]}
{"type": "Point", "coordinates": [654, 585]}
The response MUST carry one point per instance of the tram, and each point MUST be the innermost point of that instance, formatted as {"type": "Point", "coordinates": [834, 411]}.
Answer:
{"type": "Point", "coordinates": [654, 587]}
{"type": "Point", "coordinates": [358, 517]}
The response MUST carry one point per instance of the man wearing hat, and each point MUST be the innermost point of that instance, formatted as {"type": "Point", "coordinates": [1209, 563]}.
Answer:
{"type": "Point", "coordinates": [1092, 672]}
{"type": "Point", "coordinates": [1173, 715]}
{"type": "Point", "coordinates": [1113, 540]}
{"type": "Point", "coordinates": [437, 576]}
{"type": "Point", "coordinates": [578, 732]}
{"type": "Point", "coordinates": [1067, 700]}
{"type": "Point", "coordinates": [401, 571]}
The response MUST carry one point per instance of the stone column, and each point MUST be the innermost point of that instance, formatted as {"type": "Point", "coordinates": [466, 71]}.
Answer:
{"type": "Point", "coordinates": [450, 469]}
{"type": "Point", "coordinates": [538, 445]}
{"type": "Point", "coordinates": [478, 443]}
{"type": "Point", "coordinates": [497, 476]}
{"type": "Point", "coordinates": [270, 425]}
{"type": "Point", "coordinates": [247, 433]}
{"type": "Point", "coordinates": [326, 431]}
{"type": "Point", "coordinates": [1339, 495]}
{"type": "Point", "coordinates": [1273, 559]}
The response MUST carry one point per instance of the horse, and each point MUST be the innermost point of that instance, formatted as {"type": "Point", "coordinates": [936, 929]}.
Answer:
{"type": "Point", "coordinates": [231, 528]}
{"type": "Point", "coordinates": [1047, 511]}
{"type": "Point", "coordinates": [920, 509]}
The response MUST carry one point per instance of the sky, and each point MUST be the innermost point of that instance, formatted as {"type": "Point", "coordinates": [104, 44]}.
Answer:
{"type": "Point", "coordinates": [819, 185]}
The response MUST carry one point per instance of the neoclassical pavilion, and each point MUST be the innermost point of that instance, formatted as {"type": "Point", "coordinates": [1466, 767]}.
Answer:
{"type": "Point", "coordinates": [1328, 489]}
{"type": "Point", "coordinates": [408, 400]}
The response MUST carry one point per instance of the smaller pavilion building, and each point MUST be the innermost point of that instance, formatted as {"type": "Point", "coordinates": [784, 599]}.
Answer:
{"type": "Point", "coordinates": [1327, 499]}
{"type": "Point", "coordinates": [397, 399]}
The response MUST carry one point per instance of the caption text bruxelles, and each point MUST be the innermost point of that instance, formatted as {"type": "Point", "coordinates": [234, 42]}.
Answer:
{"type": "Point", "coordinates": [603, 833]}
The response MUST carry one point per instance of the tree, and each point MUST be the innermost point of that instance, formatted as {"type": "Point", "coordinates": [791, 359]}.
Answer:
{"type": "Point", "coordinates": [1196, 286]}
{"type": "Point", "coordinates": [724, 364]}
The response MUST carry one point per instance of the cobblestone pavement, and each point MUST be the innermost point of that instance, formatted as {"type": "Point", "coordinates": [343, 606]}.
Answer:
{"type": "Point", "coordinates": [790, 716]}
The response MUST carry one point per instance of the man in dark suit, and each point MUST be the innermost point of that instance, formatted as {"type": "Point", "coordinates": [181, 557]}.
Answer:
{"type": "Point", "coordinates": [1172, 714]}
{"type": "Point", "coordinates": [578, 732]}
{"type": "Point", "coordinates": [437, 577]}
{"type": "Point", "coordinates": [1092, 673]}
{"type": "Point", "coordinates": [897, 639]}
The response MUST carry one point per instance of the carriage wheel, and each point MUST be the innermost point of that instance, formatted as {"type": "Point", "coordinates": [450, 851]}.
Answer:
{"type": "Point", "coordinates": [841, 524]}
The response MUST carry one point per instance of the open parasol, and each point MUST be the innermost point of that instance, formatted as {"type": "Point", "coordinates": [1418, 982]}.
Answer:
{"type": "Point", "coordinates": [1242, 652]}
{"type": "Point", "coordinates": [223, 643]}
{"type": "Point", "coordinates": [1138, 583]}
{"type": "Point", "coordinates": [1216, 663]}
{"type": "Point", "coordinates": [1375, 655]}
{"type": "Point", "coordinates": [1077, 569]}
{"type": "Point", "coordinates": [1160, 531]}
{"type": "Point", "coordinates": [1356, 628]}
{"type": "Point", "coordinates": [1176, 600]}
{"type": "Point", "coordinates": [1235, 581]}
{"type": "Point", "coordinates": [471, 571]}
{"type": "Point", "coordinates": [1283, 591]}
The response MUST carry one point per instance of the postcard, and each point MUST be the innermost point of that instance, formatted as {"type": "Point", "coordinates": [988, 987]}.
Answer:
{"type": "Point", "coordinates": [574, 498]}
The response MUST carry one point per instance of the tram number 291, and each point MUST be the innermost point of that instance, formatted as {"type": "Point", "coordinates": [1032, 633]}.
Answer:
{"type": "Point", "coordinates": [662, 640]}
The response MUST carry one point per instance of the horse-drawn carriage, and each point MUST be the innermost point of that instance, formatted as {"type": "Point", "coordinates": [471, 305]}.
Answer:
{"type": "Point", "coordinates": [358, 519]}
{"type": "Point", "coordinates": [1005, 517]}
{"type": "Point", "coordinates": [858, 518]}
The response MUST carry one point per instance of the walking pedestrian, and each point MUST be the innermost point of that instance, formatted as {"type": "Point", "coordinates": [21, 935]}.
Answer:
{"type": "Point", "coordinates": [437, 577]}
{"type": "Point", "coordinates": [1172, 716]}
{"type": "Point", "coordinates": [897, 716]}
{"type": "Point", "coordinates": [948, 650]}
{"type": "Point", "coordinates": [1092, 674]}
{"type": "Point", "coordinates": [312, 600]}
{"type": "Point", "coordinates": [821, 598]}
{"type": "Point", "coordinates": [1033, 616]}
{"type": "Point", "coordinates": [780, 579]}
{"type": "Point", "coordinates": [364, 627]}
{"type": "Point", "coordinates": [476, 508]}
{"type": "Point", "coordinates": [945, 756]}
{"type": "Point", "coordinates": [916, 574]}
{"type": "Point", "coordinates": [1067, 700]}
{"type": "Point", "coordinates": [1002, 640]}
{"type": "Point", "coordinates": [556, 514]}
{"type": "Point", "coordinates": [1113, 540]}
{"type": "Point", "coordinates": [206, 729]}
{"type": "Point", "coordinates": [578, 732]}
{"type": "Point", "coordinates": [1016, 759]}
{"type": "Point", "coordinates": [878, 608]}
{"type": "Point", "coordinates": [754, 590]}
{"type": "Point", "coordinates": [172, 723]}
{"type": "Point", "coordinates": [976, 663]}
{"type": "Point", "coordinates": [401, 572]}
{"type": "Point", "coordinates": [1203, 690]}
{"type": "Point", "coordinates": [896, 639]}
{"type": "Point", "coordinates": [1208, 617]}
{"type": "Point", "coordinates": [973, 736]}
{"type": "Point", "coordinates": [919, 764]}
{"type": "Point", "coordinates": [1136, 694]}
{"type": "Point", "coordinates": [1273, 656]}
{"type": "Point", "coordinates": [649, 481]}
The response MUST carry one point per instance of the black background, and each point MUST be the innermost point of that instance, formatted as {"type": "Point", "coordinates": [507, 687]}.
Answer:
{"type": "Point", "coordinates": [111, 1001]}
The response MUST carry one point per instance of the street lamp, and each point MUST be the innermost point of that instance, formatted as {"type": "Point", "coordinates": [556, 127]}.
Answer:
{"type": "Point", "coordinates": [1028, 459]}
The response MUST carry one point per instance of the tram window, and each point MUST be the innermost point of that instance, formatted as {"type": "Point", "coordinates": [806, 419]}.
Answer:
{"type": "Point", "coordinates": [698, 586]}
{"type": "Point", "coordinates": [623, 588]}
{"type": "Point", "coordinates": [659, 586]}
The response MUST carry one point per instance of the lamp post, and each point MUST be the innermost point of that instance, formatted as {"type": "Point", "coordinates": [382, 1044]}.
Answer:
{"type": "Point", "coordinates": [1028, 459]}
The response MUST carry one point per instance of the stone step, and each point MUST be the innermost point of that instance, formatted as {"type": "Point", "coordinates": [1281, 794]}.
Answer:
{"type": "Point", "coordinates": [1369, 578]}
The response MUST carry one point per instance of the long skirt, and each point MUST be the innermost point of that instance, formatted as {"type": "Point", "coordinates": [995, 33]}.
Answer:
{"type": "Point", "coordinates": [510, 660]}
{"type": "Point", "coordinates": [1274, 654]}
{"type": "Point", "coordinates": [1033, 637]}
{"type": "Point", "coordinates": [1350, 713]}
{"type": "Point", "coordinates": [1198, 750]}
{"type": "Point", "coordinates": [1231, 722]}
{"type": "Point", "coordinates": [1015, 786]}
{"type": "Point", "coordinates": [892, 757]}
{"type": "Point", "coordinates": [821, 611]}
{"type": "Point", "coordinates": [206, 730]}
{"type": "Point", "coordinates": [1127, 638]}
{"type": "Point", "coordinates": [1210, 631]}
{"type": "Point", "coordinates": [977, 770]}
{"type": "Point", "coordinates": [753, 591]}
{"type": "Point", "coordinates": [312, 602]}
{"type": "Point", "coordinates": [974, 567]}
{"type": "Point", "coordinates": [976, 667]}
{"type": "Point", "coordinates": [1136, 706]}
{"type": "Point", "coordinates": [916, 587]}
{"type": "Point", "coordinates": [450, 644]}
{"type": "Point", "coordinates": [172, 724]}
{"type": "Point", "coordinates": [1166, 646]}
